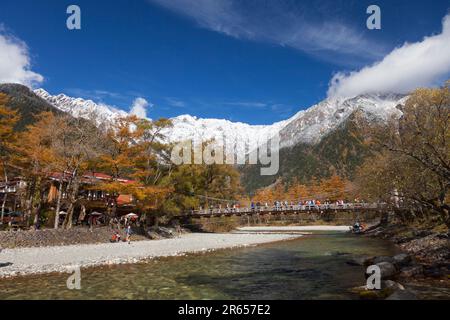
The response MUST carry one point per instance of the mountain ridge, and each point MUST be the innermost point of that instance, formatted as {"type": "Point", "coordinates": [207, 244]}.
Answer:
{"type": "Point", "coordinates": [306, 126]}
{"type": "Point", "coordinates": [319, 141]}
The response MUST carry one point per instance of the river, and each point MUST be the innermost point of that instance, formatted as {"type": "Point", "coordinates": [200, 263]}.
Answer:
{"type": "Point", "coordinates": [312, 267]}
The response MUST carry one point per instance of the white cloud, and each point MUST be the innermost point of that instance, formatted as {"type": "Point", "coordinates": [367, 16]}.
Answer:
{"type": "Point", "coordinates": [247, 104]}
{"type": "Point", "coordinates": [424, 63]}
{"type": "Point", "coordinates": [175, 102]}
{"type": "Point", "coordinates": [15, 64]}
{"type": "Point", "coordinates": [284, 23]}
{"type": "Point", "coordinates": [139, 108]}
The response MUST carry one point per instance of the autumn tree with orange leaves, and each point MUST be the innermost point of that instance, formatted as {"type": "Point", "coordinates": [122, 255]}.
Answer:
{"type": "Point", "coordinates": [8, 138]}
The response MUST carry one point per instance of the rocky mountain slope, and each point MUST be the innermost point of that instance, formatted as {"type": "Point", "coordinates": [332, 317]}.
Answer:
{"type": "Point", "coordinates": [26, 102]}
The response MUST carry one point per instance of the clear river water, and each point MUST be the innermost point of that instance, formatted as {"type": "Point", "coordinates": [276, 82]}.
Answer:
{"type": "Point", "coordinates": [312, 267]}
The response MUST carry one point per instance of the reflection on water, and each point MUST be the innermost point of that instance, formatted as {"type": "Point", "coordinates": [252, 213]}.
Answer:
{"type": "Point", "coordinates": [313, 267]}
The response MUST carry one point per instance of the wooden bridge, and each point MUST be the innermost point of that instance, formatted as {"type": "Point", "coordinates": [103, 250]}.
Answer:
{"type": "Point", "coordinates": [285, 209]}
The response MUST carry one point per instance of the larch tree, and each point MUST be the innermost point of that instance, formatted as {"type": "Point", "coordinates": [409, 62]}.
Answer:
{"type": "Point", "coordinates": [36, 159]}
{"type": "Point", "coordinates": [8, 140]}
{"type": "Point", "coordinates": [333, 188]}
{"type": "Point", "coordinates": [412, 166]}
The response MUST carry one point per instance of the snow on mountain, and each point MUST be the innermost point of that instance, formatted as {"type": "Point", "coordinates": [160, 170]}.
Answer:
{"type": "Point", "coordinates": [310, 125]}
{"type": "Point", "coordinates": [79, 107]}
{"type": "Point", "coordinates": [307, 126]}
{"type": "Point", "coordinates": [188, 127]}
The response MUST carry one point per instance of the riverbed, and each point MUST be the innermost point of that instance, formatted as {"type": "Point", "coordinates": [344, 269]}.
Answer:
{"type": "Point", "coordinates": [311, 267]}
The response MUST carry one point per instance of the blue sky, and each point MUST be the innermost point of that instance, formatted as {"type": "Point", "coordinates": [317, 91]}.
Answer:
{"type": "Point", "coordinates": [251, 61]}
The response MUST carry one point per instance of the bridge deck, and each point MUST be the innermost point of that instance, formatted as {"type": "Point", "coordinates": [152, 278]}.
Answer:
{"type": "Point", "coordinates": [290, 209]}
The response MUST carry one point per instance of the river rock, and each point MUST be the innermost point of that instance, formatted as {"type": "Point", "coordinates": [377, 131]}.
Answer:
{"type": "Point", "coordinates": [402, 295]}
{"type": "Point", "coordinates": [167, 232]}
{"type": "Point", "coordinates": [411, 271]}
{"type": "Point", "coordinates": [402, 259]}
{"type": "Point", "coordinates": [383, 259]}
{"type": "Point", "coordinates": [392, 285]}
{"type": "Point", "coordinates": [160, 232]}
{"type": "Point", "coordinates": [153, 235]}
{"type": "Point", "coordinates": [388, 270]}
{"type": "Point", "coordinates": [388, 287]}
{"type": "Point", "coordinates": [434, 272]}
{"type": "Point", "coordinates": [361, 261]}
{"type": "Point", "coordinates": [422, 233]}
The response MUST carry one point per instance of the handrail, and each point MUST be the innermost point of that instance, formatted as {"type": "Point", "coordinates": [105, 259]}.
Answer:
{"type": "Point", "coordinates": [287, 208]}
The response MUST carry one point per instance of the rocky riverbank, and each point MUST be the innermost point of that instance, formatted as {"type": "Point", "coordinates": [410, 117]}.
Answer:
{"type": "Point", "coordinates": [424, 265]}
{"type": "Point", "coordinates": [430, 247]}
{"type": "Point", "coordinates": [76, 236]}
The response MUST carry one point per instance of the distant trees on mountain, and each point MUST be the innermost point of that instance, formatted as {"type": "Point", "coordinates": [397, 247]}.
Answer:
{"type": "Point", "coordinates": [331, 189]}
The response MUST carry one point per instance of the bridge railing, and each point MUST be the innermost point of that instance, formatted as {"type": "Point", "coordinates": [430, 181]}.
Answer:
{"type": "Point", "coordinates": [284, 208]}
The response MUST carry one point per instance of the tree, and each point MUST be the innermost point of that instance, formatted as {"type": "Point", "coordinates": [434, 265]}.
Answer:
{"type": "Point", "coordinates": [204, 185]}
{"type": "Point", "coordinates": [75, 146]}
{"type": "Point", "coordinates": [36, 157]}
{"type": "Point", "coordinates": [297, 190]}
{"type": "Point", "coordinates": [412, 165]}
{"type": "Point", "coordinates": [58, 144]}
{"type": "Point", "coordinates": [333, 188]}
{"type": "Point", "coordinates": [8, 139]}
{"type": "Point", "coordinates": [136, 149]}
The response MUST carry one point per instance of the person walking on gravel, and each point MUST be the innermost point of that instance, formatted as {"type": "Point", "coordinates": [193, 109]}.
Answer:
{"type": "Point", "coordinates": [128, 232]}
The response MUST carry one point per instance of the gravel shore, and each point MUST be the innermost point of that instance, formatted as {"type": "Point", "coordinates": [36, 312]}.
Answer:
{"type": "Point", "coordinates": [27, 261]}
{"type": "Point", "coordinates": [294, 228]}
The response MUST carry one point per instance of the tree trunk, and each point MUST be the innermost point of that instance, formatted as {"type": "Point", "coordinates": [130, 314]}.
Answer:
{"type": "Point", "coordinates": [73, 201]}
{"type": "Point", "coordinates": [384, 218]}
{"type": "Point", "coordinates": [37, 203]}
{"type": "Point", "coordinates": [28, 205]}
{"type": "Point", "coordinates": [5, 197]}
{"type": "Point", "coordinates": [37, 214]}
{"type": "Point", "coordinates": [58, 202]}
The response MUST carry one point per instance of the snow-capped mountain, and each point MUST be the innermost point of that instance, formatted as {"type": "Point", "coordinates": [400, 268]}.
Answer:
{"type": "Point", "coordinates": [307, 126]}
{"type": "Point", "coordinates": [189, 127]}
{"type": "Point", "coordinates": [79, 107]}
{"type": "Point", "coordinates": [310, 125]}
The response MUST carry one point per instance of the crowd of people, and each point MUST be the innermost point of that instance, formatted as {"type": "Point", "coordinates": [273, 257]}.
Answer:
{"type": "Point", "coordinates": [126, 222]}
{"type": "Point", "coordinates": [275, 206]}
{"type": "Point", "coordinates": [116, 236]}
